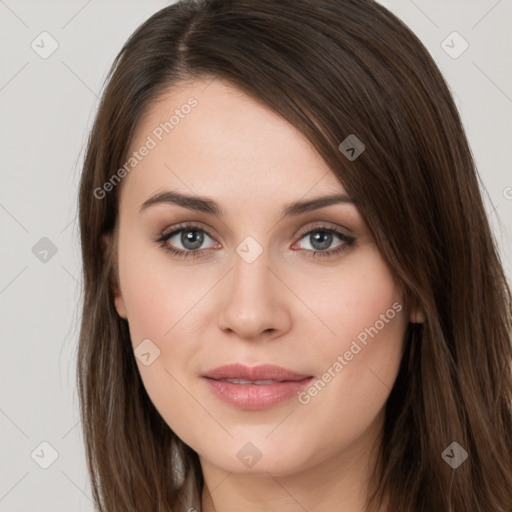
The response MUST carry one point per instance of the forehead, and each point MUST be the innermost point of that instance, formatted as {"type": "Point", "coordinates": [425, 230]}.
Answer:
{"type": "Point", "coordinates": [210, 138]}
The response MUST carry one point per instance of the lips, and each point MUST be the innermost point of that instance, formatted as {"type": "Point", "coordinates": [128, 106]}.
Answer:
{"type": "Point", "coordinates": [261, 374]}
{"type": "Point", "coordinates": [254, 387]}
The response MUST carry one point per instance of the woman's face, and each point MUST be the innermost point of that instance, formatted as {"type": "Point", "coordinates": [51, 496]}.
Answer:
{"type": "Point", "coordinates": [249, 291]}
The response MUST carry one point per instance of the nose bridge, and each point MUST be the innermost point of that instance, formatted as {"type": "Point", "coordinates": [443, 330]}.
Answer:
{"type": "Point", "coordinates": [252, 304]}
{"type": "Point", "coordinates": [250, 279]}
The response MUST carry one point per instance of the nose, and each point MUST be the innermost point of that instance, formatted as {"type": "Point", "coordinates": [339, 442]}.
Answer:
{"type": "Point", "coordinates": [254, 304]}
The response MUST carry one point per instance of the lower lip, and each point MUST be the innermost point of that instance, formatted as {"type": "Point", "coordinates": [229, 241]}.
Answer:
{"type": "Point", "coordinates": [253, 396]}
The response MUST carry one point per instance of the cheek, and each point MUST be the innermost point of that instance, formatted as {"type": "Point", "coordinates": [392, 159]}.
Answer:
{"type": "Point", "coordinates": [158, 299]}
{"type": "Point", "coordinates": [163, 303]}
{"type": "Point", "coordinates": [360, 358]}
{"type": "Point", "coordinates": [157, 295]}
{"type": "Point", "coordinates": [360, 300]}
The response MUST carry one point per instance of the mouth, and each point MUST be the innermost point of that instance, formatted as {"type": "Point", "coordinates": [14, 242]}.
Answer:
{"type": "Point", "coordinates": [253, 374]}
{"type": "Point", "coordinates": [245, 382]}
{"type": "Point", "coordinates": [257, 387]}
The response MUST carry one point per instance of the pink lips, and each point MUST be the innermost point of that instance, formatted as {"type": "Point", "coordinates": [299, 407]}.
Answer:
{"type": "Point", "coordinates": [256, 387]}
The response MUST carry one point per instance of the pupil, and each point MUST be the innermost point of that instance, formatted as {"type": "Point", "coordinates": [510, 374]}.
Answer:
{"type": "Point", "coordinates": [323, 241]}
{"type": "Point", "coordinates": [191, 240]}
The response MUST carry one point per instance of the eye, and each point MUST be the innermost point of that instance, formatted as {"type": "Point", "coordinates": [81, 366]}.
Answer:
{"type": "Point", "coordinates": [192, 236]}
{"type": "Point", "coordinates": [321, 238]}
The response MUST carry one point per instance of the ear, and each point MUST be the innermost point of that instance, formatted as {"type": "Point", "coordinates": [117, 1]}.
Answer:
{"type": "Point", "coordinates": [108, 246]}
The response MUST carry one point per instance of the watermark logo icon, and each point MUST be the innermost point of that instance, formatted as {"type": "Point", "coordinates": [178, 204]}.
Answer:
{"type": "Point", "coordinates": [352, 147]}
{"type": "Point", "coordinates": [44, 250]}
{"type": "Point", "coordinates": [44, 455]}
{"type": "Point", "coordinates": [249, 455]}
{"type": "Point", "coordinates": [146, 352]}
{"type": "Point", "coordinates": [454, 455]}
{"type": "Point", "coordinates": [44, 45]}
{"type": "Point", "coordinates": [249, 249]}
{"type": "Point", "coordinates": [454, 45]}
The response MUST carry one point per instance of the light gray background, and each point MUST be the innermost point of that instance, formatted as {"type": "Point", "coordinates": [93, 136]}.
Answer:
{"type": "Point", "coordinates": [47, 108]}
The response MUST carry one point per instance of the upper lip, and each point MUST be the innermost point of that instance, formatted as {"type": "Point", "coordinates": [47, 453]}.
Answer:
{"type": "Point", "coordinates": [256, 373]}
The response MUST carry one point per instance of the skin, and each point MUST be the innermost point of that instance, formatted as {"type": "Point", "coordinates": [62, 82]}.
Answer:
{"type": "Point", "coordinates": [216, 308]}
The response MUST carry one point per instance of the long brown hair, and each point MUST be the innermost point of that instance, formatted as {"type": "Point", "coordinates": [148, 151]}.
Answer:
{"type": "Point", "coordinates": [331, 68]}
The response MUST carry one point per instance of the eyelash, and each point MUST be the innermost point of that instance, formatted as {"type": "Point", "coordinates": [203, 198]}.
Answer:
{"type": "Point", "coordinates": [349, 241]}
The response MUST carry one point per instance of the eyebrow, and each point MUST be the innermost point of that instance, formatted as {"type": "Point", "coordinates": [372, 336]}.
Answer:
{"type": "Point", "coordinates": [207, 205]}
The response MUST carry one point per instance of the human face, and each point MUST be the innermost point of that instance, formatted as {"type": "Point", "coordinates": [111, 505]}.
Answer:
{"type": "Point", "coordinates": [253, 293]}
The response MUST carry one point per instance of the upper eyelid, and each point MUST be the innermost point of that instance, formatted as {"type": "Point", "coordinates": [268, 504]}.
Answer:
{"type": "Point", "coordinates": [323, 225]}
